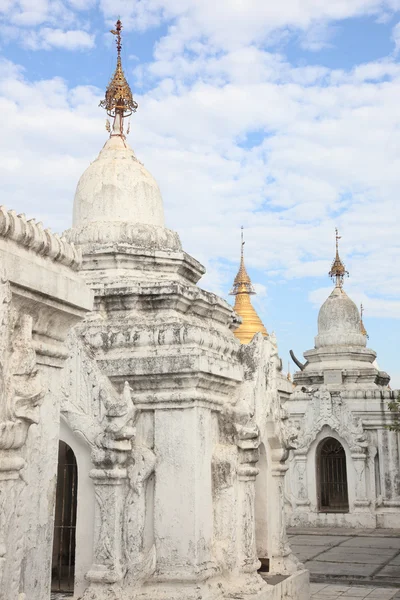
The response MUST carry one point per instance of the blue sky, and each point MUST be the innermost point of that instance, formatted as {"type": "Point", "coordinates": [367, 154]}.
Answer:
{"type": "Point", "coordinates": [281, 117]}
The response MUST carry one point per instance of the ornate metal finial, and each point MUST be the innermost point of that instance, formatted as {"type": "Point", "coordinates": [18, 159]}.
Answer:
{"type": "Point", "coordinates": [338, 270]}
{"type": "Point", "coordinates": [363, 330]}
{"type": "Point", "coordinates": [118, 101]}
{"type": "Point", "coordinates": [242, 282]}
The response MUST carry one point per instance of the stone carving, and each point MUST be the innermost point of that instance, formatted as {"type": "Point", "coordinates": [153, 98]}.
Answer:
{"type": "Point", "coordinates": [141, 562]}
{"type": "Point", "coordinates": [328, 409]}
{"type": "Point", "coordinates": [94, 409]}
{"type": "Point", "coordinates": [106, 419]}
{"type": "Point", "coordinates": [42, 241]}
{"type": "Point", "coordinates": [21, 393]}
{"type": "Point", "coordinates": [21, 388]}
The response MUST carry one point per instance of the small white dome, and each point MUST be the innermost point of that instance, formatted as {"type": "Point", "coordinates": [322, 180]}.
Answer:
{"type": "Point", "coordinates": [339, 322]}
{"type": "Point", "coordinates": [117, 188]}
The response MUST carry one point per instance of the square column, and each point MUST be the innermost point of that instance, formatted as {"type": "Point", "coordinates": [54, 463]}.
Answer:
{"type": "Point", "coordinates": [183, 510]}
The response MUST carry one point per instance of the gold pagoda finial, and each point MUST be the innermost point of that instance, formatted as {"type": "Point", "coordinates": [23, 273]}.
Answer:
{"type": "Point", "coordinates": [243, 289]}
{"type": "Point", "coordinates": [242, 283]}
{"type": "Point", "coordinates": [338, 270]}
{"type": "Point", "coordinates": [363, 330]}
{"type": "Point", "coordinates": [118, 101]}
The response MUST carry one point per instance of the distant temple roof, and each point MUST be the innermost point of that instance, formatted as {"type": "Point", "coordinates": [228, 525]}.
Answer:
{"type": "Point", "coordinates": [242, 289]}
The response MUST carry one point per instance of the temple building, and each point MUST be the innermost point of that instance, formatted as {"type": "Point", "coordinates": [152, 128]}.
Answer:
{"type": "Point", "coordinates": [143, 447]}
{"type": "Point", "coordinates": [345, 469]}
{"type": "Point", "coordinates": [242, 290]}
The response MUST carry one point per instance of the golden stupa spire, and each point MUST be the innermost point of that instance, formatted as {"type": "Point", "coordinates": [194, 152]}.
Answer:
{"type": "Point", "coordinates": [118, 101]}
{"type": "Point", "coordinates": [338, 270]}
{"type": "Point", "coordinates": [243, 289]}
{"type": "Point", "coordinates": [363, 330]}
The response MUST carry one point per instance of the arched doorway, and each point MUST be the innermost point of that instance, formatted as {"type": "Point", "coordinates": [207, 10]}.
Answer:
{"type": "Point", "coordinates": [63, 565]}
{"type": "Point", "coordinates": [332, 477]}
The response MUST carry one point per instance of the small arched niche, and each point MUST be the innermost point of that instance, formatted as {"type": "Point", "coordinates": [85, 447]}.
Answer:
{"type": "Point", "coordinates": [64, 541]}
{"type": "Point", "coordinates": [332, 477]}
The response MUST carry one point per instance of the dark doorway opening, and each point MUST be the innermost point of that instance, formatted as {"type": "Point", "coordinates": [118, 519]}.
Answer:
{"type": "Point", "coordinates": [63, 566]}
{"type": "Point", "coordinates": [332, 477]}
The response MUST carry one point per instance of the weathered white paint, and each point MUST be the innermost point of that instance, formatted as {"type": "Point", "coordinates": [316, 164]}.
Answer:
{"type": "Point", "coordinates": [163, 408]}
{"type": "Point", "coordinates": [42, 297]}
{"type": "Point", "coordinates": [116, 187]}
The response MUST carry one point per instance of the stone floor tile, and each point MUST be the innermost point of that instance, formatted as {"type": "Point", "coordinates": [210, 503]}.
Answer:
{"type": "Point", "coordinates": [382, 594]}
{"type": "Point", "coordinates": [319, 540]}
{"type": "Point", "coordinates": [306, 552]}
{"type": "Point", "coordinates": [328, 593]}
{"type": "Point", "coordinates": [315, 587]}
{"type": "Point", "coordinates": [358, 591]}
{"type": "Point", "coordinates": [340, 568]}
{"type": "Point", "coordinates": [347, 597]}
{"type": "Point", "coordinates": [340, 588]}
{"type": "Point", "coordinates": [340, 555]}
{"type": "Point", "coordinates": [372, 542]}
{"type": "Point", "coordinates": [390, 571]}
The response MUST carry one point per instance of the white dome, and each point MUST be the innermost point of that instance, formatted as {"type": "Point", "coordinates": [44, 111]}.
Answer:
{"type": "Point", "coordinates": [339, 322]}
{"type": "Point", "coordinates": [117, 188]}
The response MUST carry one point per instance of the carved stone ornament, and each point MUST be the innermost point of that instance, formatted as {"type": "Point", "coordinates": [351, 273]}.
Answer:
{"type": "Point", "coordinates": [21, 388]}
{"type": "Point", "coordinates": [329, 409]}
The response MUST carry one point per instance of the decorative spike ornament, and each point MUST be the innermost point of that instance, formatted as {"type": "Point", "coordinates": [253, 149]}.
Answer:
{"type": "Point", "coordinates": [118, 101]}
{"type": "Point", "coordinates": [338, 270]}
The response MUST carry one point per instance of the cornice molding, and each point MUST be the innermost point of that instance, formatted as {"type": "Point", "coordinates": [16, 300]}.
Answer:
{"type": "Point", "coordinates": [32, 235]}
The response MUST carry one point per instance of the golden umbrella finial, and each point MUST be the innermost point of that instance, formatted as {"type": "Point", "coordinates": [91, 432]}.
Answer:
{"type": "Point", "coordinates": [243, 289]}
{"type": "Point", "coordinates": [118, 101]}
{"type": "Point", "coordinates": [338, 270]}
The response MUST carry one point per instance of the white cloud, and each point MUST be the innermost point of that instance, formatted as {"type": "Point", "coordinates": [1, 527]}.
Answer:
{"type": "Point", "coordinates": [330, 158]}
{"type": "Point", "coordinates": [32, 13]}
{"type": "Point", "coordinates": [47, 38]}
{"type": "Point", "coordinates": [46, 24]}
{"type": "Point", "coordinates": [228, 24]}
{"type": "Point", "coordinates": [396, 37]}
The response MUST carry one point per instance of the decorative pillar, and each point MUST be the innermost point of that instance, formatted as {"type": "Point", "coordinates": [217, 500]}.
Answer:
{"type": "Point", "coordinates": [21, 394]}
{"type": "Point", "coordinates": [360, 462]}
{"type": "Point", "coordinates": [110, 490]}
{"type": "Point", "coordinates": [299, 479]}
{"type": "Point", "coordinates": [113, 448]}
{"type": "Point", "coordinates": [248, 441]}
{"type": "Point", "coordinates": [281, 558]}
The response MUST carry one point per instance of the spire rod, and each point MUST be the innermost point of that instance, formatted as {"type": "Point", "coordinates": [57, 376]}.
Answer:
{"type": "Point", "coordinates": [118, 101]}
{"type": "Point", "coordinates": [338, 270]}
{"type": "Point", "coordinates": [363, 330]}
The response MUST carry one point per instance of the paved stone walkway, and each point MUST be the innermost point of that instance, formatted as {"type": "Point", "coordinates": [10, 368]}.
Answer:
{"type": "Point", "coordinates": [322, 591]}
{"type": "Point", "coordinates": [367, 557]}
